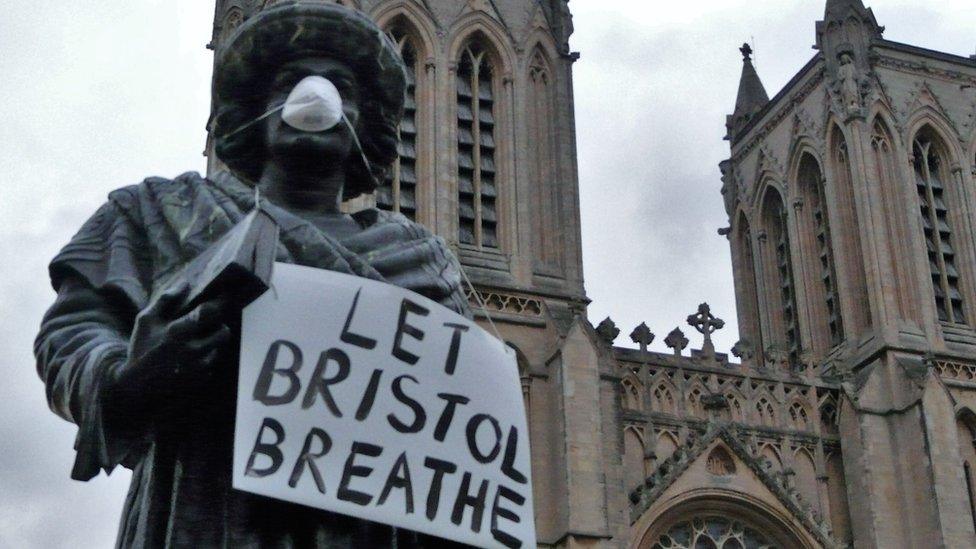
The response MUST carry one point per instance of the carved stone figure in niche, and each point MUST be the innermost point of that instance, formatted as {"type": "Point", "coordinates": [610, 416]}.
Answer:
{"type": "Point", "coordinates": [850, 86]}
{"type": "Point", "coordinates": [719, 463]}
{"type": "Point", "coordinates": [151, 386]}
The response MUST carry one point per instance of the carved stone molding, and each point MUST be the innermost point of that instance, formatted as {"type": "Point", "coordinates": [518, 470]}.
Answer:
{"type": "Point", "coordinates": [922, 68]}
{"type": "Point", "coordinates": [497, 302]}
{"type": "Point", "coordinates": [959, 371]}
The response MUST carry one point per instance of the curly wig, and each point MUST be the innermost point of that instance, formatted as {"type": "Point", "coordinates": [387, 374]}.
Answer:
{"type": "Point", "coordinates": [248, 60]}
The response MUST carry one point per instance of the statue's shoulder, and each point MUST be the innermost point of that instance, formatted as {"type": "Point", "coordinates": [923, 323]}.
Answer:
{"type": "Point", "coordinates": [160, 186]}
{"type": "Point", "coordinates": [375, 217]}
{"type": "Point", "coordinates": [132, 200]}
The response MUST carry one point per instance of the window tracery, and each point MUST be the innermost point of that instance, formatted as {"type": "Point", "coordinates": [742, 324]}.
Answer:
{"type": "Point", "coordinates": [663, 400]}
{"type": "Point", "coordinates": [828, 417]}
{"type": "Point", "coordinates": [799, 417]}
{"type": "Point", "coordinates": [399, 193]}
{"type": "Point", "coordinates": [767, 415]}
{"type": "Point", "coordinates": [477, 189]}
{"type": "Point", "coordinates": [695, 406]}
{"type": "Point", "coordinates": [735, 407]}
{"type": "Point", "coordinates": [712, 532]}
{"type": "Point", "coordinates": [632, 400]}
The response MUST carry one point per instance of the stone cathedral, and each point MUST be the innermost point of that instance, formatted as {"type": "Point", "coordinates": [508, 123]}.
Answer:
{"type": "Point", "coordinates": [846, 416]}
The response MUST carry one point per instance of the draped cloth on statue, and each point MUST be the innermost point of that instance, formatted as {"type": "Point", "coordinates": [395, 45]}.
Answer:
{"type": "Point", "coordinates": [134, 246]}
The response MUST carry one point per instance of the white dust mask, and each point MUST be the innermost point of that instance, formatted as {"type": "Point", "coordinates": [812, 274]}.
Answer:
{"type": "Point", "coordinates": [313, 106]}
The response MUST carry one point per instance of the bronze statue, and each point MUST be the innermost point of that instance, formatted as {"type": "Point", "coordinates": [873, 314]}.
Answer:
{"type": "Point", "coordinates": [151, 386]}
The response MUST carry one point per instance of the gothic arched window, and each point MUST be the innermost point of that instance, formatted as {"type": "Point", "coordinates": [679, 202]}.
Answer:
{"type": "Point", "coordinates": [853, 256]}
{"type": "Point", "coordinates": [766, 414]}
{"type": "Point", "coordinates": [542, 146]}
{"type": "Point", "coordinates": [695, 406]}
{"type": "Point", "coordinates": [663, 400]}
{"type": "Point", "coordinates": [477, 184]}
{"type": "Point", "coordinates": [893, 204]}
{"type": "Point", "coordinates": [712, 533]}
{"type": "Point", "coordinates": [932, 180]}
{"type": "Point", "coordinates": [779, 272]}
{"type": "Point", "coordinates": [828, 417]}
{"type": "Point", "coordinates": [399, 193]}
{"type": "Point", "coordinates": [967, 451]}
{"type": "Point", "coordinates": [819, 253]}
{"type": "Point", "coordinates": [631, 395]}
{"type": "Point", "coordinates": [735, 407]}
{"type": "Point", "coordinates": [799, 417]}
{"type": "Point", "coordinates": [746, 269]}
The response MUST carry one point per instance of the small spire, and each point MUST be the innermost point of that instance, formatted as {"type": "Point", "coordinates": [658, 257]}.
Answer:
{"type": "Point", "coordinates": [752, 94]}
{"type": "Point", "coordinates": [838, 8]}
{"type": "Point", "coordinates": [841, 10]}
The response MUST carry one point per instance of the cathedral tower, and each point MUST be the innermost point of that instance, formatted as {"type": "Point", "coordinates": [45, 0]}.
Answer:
{"type": "Point", "coordinates": [852, 202]}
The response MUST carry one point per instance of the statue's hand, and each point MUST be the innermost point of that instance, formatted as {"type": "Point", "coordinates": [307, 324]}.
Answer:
{"type": "Point", "coordinates": [172, 354]}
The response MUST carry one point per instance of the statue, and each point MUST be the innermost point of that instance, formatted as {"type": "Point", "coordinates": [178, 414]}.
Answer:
{"type": "Point", "coordinates": [850, 86]}
{"type": "Point", "coordinates": [152, 387]}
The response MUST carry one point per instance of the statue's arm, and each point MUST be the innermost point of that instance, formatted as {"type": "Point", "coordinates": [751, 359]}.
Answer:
{"type": "Point", "coordinates": [83, 338]}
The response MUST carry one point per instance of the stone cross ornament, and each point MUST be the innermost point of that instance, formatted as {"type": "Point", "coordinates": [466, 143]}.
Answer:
{"type": "Point", "coordinates": [706, 323]}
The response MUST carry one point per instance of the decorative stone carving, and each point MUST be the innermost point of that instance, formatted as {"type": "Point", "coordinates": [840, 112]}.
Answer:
{"type": "Point", "coordinates": [706, 323]}
{"type": "Point", "coordinates": [743, 350]}
{"type": "Point", "coordinates": [777, 357]}
{"type": "Point", "coordinates": [715, 402]}
{"type": "Point", "coordinates": [642, 336]}
{"type": "Point", "coordinates": [720, 463]}
{"type": "Point", "coordinates": [849, 84]}
{"type": "Point", "coordinates": [955, 370]}
{"type": "Point", "coordinates": [676, 341]}
{"type": "Point", "coordinates": [506, 303]}
{"type": "Point", "coordinates": [608, 331]}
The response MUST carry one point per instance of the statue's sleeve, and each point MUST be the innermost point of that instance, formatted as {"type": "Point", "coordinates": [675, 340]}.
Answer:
{"type": "Point", "coordinates": [83, 337]}
{"type": "Point", "coordinates": [100, 283]}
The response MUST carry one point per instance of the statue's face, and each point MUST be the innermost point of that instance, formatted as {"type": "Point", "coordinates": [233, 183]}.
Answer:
{"type": "Point", "coordinates": [295, 149]}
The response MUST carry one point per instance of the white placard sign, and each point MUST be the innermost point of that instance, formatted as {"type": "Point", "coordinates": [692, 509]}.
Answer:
{"type": "Point", "coordinates": [369, 400]}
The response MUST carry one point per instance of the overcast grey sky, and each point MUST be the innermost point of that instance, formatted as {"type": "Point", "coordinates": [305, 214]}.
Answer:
{"type": "Point", "coordinates": [98, 94]}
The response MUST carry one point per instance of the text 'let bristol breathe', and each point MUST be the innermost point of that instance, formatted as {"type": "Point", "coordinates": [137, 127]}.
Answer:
{"type": "Point", "coordinates": [365, 399]}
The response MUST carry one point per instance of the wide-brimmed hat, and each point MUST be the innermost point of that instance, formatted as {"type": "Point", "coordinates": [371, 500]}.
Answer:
{"type": "Point", "coordinates": [248, 60]}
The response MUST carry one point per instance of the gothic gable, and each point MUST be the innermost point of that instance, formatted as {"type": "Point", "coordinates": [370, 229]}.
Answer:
{"type": "Point", "coordinates": [720, 462]}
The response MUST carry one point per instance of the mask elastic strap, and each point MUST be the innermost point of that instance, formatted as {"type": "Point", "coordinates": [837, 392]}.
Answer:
{"type": "Point", "coordinates": [359, 147]}
{"type": "Point", "coordinates": [253, 122]}
{"type": "Point", "coordinates": [352, 130]}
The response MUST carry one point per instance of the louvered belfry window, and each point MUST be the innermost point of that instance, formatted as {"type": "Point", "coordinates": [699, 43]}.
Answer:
{"type": "Point", "coordinates": [477, 191]}
{"type": "Point", "coordinates": [784, 268]}
{"type": "Point", "coordinates": [930, 179]}
{"type": "Point", "coordinates": [399, 192]}
{"type": "Point", "coordinates": [826, 258]}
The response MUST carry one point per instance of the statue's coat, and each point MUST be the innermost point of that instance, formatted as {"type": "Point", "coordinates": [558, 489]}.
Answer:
{"type": "Point", "coordinates": [136, 244]}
